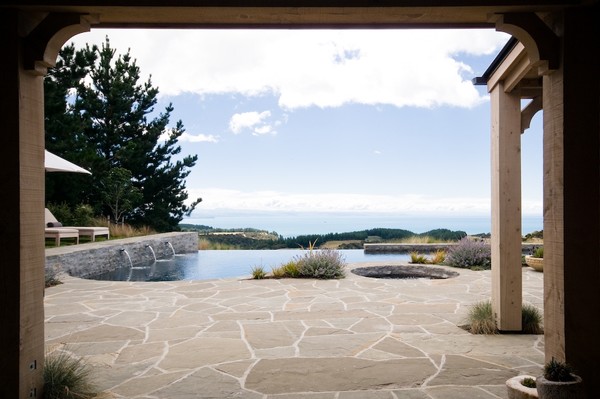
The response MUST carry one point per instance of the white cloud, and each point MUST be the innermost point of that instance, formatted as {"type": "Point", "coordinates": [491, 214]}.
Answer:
{"type": "Point", "coordinates": [217, 198]}
{"type": "Point", "coordinates": [199, 138]}
{"type": "Point", "coordinates": [190, 138]}
{"type": "Point", "coordinates": [253, 121]}
{"type": "Point", "coordinates": [312, 67]}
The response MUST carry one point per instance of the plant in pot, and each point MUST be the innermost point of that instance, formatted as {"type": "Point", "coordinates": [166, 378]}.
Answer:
{"type": "Point", "coordinates": [522, 387]}
{"type": "Point", "coordinates": [559, 382]}
{"type": "Point", "coordinates": [536, 259]}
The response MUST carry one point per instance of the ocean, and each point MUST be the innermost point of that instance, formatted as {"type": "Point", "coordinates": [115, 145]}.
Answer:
{"type": "Point", "coordinates": [294, 224]}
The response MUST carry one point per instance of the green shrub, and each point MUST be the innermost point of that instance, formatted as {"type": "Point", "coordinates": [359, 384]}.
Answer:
{"type": "Point", "coordinates": [531, 320]}
{"type": "Point", "coordinates": [538, 252]}
{"type": "Point", "coordinates": [62, 213]}
{"type": "Point", "coordinates": [528, 382]}
{"type": "Point", "coordinates": [481, 318]}
{"type": "Point", "coordinates": [83, 215]}
{"type": "Point", "coordinates": [468, 254]}
{"type": "Point", "coordinates": [258, 272]}
{"type": "Point", "coordinates": [323, 264]}
{"type": "Point", "coordinates": [51, 278]}
{"type": "Point", "coordinates": [534, 234]}
{"type": "Point", "coordinates": [66, 377]}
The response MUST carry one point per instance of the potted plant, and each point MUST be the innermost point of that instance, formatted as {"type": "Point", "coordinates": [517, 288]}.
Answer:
{"type": "Point", "coordinates": [522, 387]}
{"type": "Point", "coordinates": [536, 259]}
{"type": "Point", "coordinates": [559, 382]}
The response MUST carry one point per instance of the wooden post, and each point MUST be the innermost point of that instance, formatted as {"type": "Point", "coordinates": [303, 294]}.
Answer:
{"type": "Point", "coordinates": [22, 215]}
{"type": "Point", "coordinates": [506, 208]}
{"type": "Point", "coordinates": [572, 200]}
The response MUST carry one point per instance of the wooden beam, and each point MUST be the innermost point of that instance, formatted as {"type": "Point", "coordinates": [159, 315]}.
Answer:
{"type": "Point", "coordinates": [505, 68]}
{"type": "Point", "coordinates": [540, 41]}
{"type": "Point", "coordinates": [518, 70]}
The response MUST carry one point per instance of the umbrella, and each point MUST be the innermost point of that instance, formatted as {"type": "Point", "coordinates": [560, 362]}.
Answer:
{"type": "Point", "coordinates": [54, 163]}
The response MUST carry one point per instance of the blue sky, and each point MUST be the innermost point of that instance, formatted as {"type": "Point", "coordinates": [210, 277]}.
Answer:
{"type": "Point", "coordinates": [332, 121]}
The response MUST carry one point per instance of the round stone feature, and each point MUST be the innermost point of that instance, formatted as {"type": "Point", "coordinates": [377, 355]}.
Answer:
{"type": "Point", "coordinates": [404, 272]}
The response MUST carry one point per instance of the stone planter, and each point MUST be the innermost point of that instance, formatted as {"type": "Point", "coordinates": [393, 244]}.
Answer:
{"type": "Point", "coordinates": [560, 390]}
{"type": "Point", "coordinates": [535, 263]}
{"type": "Point", "coordinates": [516, 390]}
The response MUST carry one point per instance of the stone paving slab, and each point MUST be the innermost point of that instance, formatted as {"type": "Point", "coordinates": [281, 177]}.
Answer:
{"type": "Point", "coordinates": [356, 337]}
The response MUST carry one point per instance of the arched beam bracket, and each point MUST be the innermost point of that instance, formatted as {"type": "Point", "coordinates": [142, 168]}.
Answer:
{"type": "Point", "coordinates": [541, 43]}
{"type": "Point", "coordinates": [529, 111]}
{"type": "Point", "coordinates": [42, 44]}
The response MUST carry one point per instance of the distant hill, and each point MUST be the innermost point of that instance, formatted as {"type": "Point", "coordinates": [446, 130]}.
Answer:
{"type": "Point", "coordinates": [250, 238]}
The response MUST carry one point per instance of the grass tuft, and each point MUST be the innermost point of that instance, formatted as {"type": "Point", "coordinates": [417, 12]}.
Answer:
{"type": "Point", "coordinates": [437, 258]}
{"type": "Point", "coordinates": [481, 318]}
{"type": "Point", "coordinates": [287, 270]}
{"type": "Point", "coordinates": [416, 257]}
{"type": "Point", "coordinates": [66, 377]}
{"type": "Point", "coordinates": [126, 230]}
{"type": "Point", "coordinates": [258, 273]}
{"type": "Point", "coordinates": [531, 320]}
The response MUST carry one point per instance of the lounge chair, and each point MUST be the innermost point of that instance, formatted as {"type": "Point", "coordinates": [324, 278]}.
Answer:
{"type": "Point", "coordinates": [61, 232]}
{"type": "Point", "coordinates": [82, 231]}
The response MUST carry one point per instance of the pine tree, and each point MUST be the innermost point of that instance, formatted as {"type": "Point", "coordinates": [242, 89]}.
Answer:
{"type": "Point", "coordinates": [108, 124]}
{"type": "Point", "coordinates": [64, 127]}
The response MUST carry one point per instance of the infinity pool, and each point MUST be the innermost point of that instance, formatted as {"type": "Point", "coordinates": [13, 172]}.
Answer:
{"type": "Point", "coordinates": [212, 264]}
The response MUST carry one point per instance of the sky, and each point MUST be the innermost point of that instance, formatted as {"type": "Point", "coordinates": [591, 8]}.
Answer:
{"type": "Point", "coordinates": [348, 121]}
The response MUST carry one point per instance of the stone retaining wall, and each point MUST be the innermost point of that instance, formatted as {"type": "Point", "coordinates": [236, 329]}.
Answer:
{"type": "Point", "coordinates": [89, 259]}
{"type": "Point", "coordinates": [527, 248]}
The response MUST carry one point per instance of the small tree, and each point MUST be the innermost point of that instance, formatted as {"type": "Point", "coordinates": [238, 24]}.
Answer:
{"type": "Point", "coordinates": [119, 193]}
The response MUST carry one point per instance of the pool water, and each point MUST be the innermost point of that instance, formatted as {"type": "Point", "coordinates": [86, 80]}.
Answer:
{"type": "Point", "coordinates": [213, 264]}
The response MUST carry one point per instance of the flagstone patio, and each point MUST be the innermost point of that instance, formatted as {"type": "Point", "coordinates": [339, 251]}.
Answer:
{"type": "Point", "coordinates": [357, 337]}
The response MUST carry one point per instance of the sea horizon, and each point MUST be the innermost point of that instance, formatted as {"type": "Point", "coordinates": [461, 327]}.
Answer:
{"type": "Point", "coordinates": [292, 224]}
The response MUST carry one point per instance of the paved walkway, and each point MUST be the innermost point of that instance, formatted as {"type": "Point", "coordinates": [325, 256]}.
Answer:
{"type": "Point", "coordinates": [352, 338]}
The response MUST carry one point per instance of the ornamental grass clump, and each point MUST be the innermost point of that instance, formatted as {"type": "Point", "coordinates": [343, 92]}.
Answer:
{"type": "Point", "coordinates": [258, 273]}
{"type": "Point", "coordinates": [322, 264]}
{"type": "Point", "coordinates": [436, 258]}
{"type": "Point", "coordinates": [481, 318]}
{"type": "Point", "coordinates": [470, 254]}
{"type": "Point", "coordinates": [531, 320]}
{"type": "Point", "coordinates": [416, 257]}
{"type": "Point", "coordinates": [66, 377]}
{"type": "Point", "coordinates": [287, 270]}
